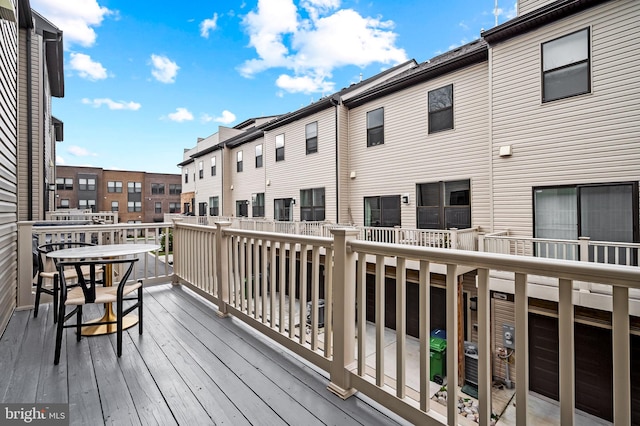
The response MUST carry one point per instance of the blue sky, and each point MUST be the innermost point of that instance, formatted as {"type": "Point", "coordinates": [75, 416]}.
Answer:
{"type": "Point", "coordinates": [145, 79]}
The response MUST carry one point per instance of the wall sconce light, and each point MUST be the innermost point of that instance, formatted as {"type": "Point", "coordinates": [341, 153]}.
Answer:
{"type": "Point", "coordinates": [52, 187]}
{"type": "Point", "coordinates": [505, 151]}
{"type": "Point", "coordinates": [293, 201]}
{"type": "Point", "coordinates": [473, 303]}
{"type": "Point", "coordinates": [231, 187]}
{"type": "Point", "coordinates": [352, 175]}
{"type": "Point", "coordinates": [268, 182]}
{"type": "Point", "coordinates": [405, 199]}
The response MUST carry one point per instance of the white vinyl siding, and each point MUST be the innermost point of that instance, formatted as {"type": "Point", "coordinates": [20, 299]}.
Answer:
{"type": "Point", "coordinates": [302, 171]}
{"type": "Point", "coordinates": [252, 180]}
{"type": "Point", "coordinates": [410, 155]}
{"type": "Point", "coordinates": [526, 6]}
{"type": "Point", "coordinates": [8, 178]}
{"type": "Point", "coordinates": [210, 186]}
{"type": "Point", "coordinates": [590, 138]}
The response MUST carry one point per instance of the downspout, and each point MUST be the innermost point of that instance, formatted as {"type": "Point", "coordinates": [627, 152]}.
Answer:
{"type": "Point", "coordinates": [29, 130]}
{"type": "Point", "coordinates": [335, 102]}
{"type": "Point", "coordinates": [491, 177]}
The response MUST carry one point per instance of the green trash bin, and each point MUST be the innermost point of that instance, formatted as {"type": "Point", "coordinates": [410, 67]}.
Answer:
{"type": "Point", "coordinates": [438, 359]}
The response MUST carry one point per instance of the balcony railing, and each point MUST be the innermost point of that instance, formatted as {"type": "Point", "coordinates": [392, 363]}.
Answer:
{"type": "Point", "coordinates": [71, 215]}
{"type": "Point", "coordinates": [307, 293]}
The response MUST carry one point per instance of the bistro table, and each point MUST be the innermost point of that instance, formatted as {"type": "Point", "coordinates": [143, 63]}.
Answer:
{"type": "Point", "coordinates": [104, 252]}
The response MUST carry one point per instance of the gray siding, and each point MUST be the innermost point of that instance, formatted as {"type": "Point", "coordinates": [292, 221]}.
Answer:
{"type": "Point", "coordinates": [410, 155]}
{"type": "Point", "coordinates": [8, 168]}
{"type": "Point", "coordinates": [591, 138]}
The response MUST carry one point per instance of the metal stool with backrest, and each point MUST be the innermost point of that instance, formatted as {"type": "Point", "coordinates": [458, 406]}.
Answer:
{"type": "Point", "coordinates": [87, 291]}
{"type": "Point", "coordinates": [48, 270]}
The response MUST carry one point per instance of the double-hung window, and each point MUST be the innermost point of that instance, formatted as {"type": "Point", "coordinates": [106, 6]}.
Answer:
{"type": "Point", "coordinates": [375, 127]}
{"type": "Point", "coordinates": [312, 204]}
{"type": "Point", "coordinates": [440, 109]}
{"type": "Point", "coordinates": [242, 208]}
{"type": "Point", "coordinates": [115, 206]}
{"type": "Point", "coordinates": [87, 184]}
{"type": "Point", "coordinates": [186, 175]}
{"type": "Point", "coordinates": [201, 169]}
{"type": "Point", "coordinates": [280, 147]}
{"type": "Point", "coordinates": [157, 188]}
{"type": "Point", "coordinates": [258, 156]}
{"type": "Point", "coordinates": [213, 166]}
{"type": "Point", "coordinates": [114, 186]}
{"type": "Point", "coordinates": [158, 207]}
{"type": "Point", "coordinates": [239, 161]}
{"type": "Point", "coordinates": [175, 189]}
{"type": "Point", "coordinates": [382, 211]}
{"type": "Point", "coordinates": [283, 209]}
{"type": "Point", "coordinates": [566, 66]}
{"type": "Point", "coordinates": [311, 135]}
{"type": "Point", "coordinates": [64, 184]}
{"type": "Point", "coordinates": [214, 206]}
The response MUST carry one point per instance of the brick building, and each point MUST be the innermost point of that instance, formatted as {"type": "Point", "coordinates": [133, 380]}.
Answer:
{"type": "Point", "coordinates": [136, 196]}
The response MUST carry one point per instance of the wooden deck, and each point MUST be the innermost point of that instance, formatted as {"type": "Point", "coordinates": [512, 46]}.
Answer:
{"type": "Point", "coordinates": [189, 367]}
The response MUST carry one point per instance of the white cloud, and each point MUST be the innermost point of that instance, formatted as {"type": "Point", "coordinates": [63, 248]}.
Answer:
{"type": "Point", "coordinates": [60, 161]}
{"type": "Point", "coordinates": [76, 18]}
{"type": "Point", "coordinates": [227, 117]}
{"type": "Point", "coordinates": [311, 48]}
{"type": "Point", "coordinates": [208, 25]}
{"type": "Point", "coordinates": [78, 151]}
{"type": "Point", "coordinates": [164, 69]}
{"type": "Point", "coordinates": [181, 114]}
{"type": "Point", "coordinates": [87, 68]}
{"type": "Point", "coordinates": [111, 104]}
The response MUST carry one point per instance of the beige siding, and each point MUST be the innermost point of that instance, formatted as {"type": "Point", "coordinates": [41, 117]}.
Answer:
{"type": "Point", "coordinates": [299, 170]}
{"type": "Point", "coordinates": [410, 155]}
{"type": "Point", "coordinates": [8, 169]}
{"type": "Point", "coordinates": [210, 186]}
{"type": "Point", "coordinates": [526, 6]}
{"type": "Point", "coordinates": [590, 138]}
{"type": "Point", "coordinates": [344, 165]}
{"type": "Point", "coordinates": [251, 180]}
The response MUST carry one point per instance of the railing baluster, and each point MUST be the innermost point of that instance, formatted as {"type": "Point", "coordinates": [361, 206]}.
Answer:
{"type": "Point", "coordinates": [282, 257]}
{"type": "Point", "coordinates": [361, 291]}
{"type": "Point", "coordinates": [522, 348]}
{"type": "Point", "coordinates": [302, 301]}
{"type": "Point", "coordinates": [424, 294]}
{"type": "Point", "coordinates": [452, 344]}
{"type": "Point", "coordinates": [401, 326]}
{"type": "Point", "coordinates": [315, 297]}
{"type": "Point", "coordinates": [380, 320]}
{"type": "Point", "coordinates": [328, 306]}
{"type": "Point", "coordinates": [292, 289]}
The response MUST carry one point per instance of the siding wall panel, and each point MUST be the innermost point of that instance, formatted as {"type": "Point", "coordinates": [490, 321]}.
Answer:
{"type": "Point", "coordinates": [8, 168]}
{"type": "Point", "coordinates": [410, 155]}
{"type": "Point", "coordinates": [591, 138]}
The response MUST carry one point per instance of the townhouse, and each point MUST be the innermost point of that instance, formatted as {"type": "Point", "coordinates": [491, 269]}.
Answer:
{"type": "Point", "coordinates": [529, 131]}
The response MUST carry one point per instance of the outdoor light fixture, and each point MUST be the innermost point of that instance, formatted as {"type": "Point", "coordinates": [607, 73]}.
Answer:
{"type": "Point", "coordinates": [473, 303]}
{"type": "Point", "coordinates": [52, 186]}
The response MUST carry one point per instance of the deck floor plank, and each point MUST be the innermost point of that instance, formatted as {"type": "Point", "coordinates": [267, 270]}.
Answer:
{"type": "Point", "coordinates": [196, 375]}
{"type": "Point", "coordinates": [52, 383]}
{"type": "Point", "coordinates": [270, 361]}
{"type": "Point", "coordinates": [10, 350]}
{"type": "Point", "coordinates": [360, 412]}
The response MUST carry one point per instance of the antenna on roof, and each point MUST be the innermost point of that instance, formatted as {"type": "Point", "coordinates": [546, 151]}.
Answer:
{"type": "Point", "coordinates": [495, 12]}
{"type": "Point", "coordinates": [360, 76]}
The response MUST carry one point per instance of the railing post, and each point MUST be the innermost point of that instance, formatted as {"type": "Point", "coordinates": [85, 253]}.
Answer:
{"type": "Point", "coordinates": [344, 311]}
{"type": "Point", "coordinates": [481, 241]}
{"type": "Point", "coordinates": [454, 238]}
{"type": "Point", "coordinates": [584, 257]}
{"type": "Point", "coordinates": [222, 267]}
{"type": "Point", "coordinates": [25, 265]}
{"type": "Point", "coordinates": [176, 250]}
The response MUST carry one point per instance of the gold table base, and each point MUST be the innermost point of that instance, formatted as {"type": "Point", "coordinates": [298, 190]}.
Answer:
{"type": "Point", "coordinates": [96, 330]}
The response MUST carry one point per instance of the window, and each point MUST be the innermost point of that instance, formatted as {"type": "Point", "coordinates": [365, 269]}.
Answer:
{"type": "Point", "coordinates": [444, 205]}
{"type": "Point", "coordinates": [311, 134]}
{"type": "Point", "coordinates": [312, 204]}
{"type": "Point", "coordinates": [441, 109]}
{"type": "Point", "coordinates": [257, 203]}
{"type": "Point", "coordinates": [213, 166]}
{"type": "Point", "coordinates": [157, 188]}
{"type": "Point", "coordinates": [603, 212]}
{"type": "Point", "coordinates": [242, 208]}
{"type": "Point", "coordinates": [382, 211]}
{"type": "Point", "coordinates": [114, 206]}
{"type": "Point", "coordinates": [87, 205]}
{"type": "Point", "coordinates": [283, 209]}
{"type": "Point", "coordinates": [239, 161]}
{"type": "Point", "coordinates": [175, 189]}
{"type": "Point", "coordinates": [64, 203]}
{"type": "Point", "coordinates": [134, 206]}
{"type": "Point", "coordinates": [86, 184]}
{"type": "Point", "coordinates": [174, 207]}
{"type": "Point", "coordinates": [201, 169]}
{"type": "Point", "coordinates": [202, 208]}
{"type": "Point", "coordinates": [375, 127]}
{"type": "Point", "coordinates": [565, 66]}
{"type": "Point", "coordinates": [258, 156]}
{"type": "Point", "coordinates": [158, 207]}
{"type": "Point", "coordinates": [280, 147]}
{"type": "Point", "coordinates": [114, 186]}
{"type": "Point", "coordinates": [64, 184]}
{"type": "Point", "coordinates": [214, 206]}
{"type": "Point", "coordinates": [186, 175]}
{"type": "Point", "coordinates": [134, 187]}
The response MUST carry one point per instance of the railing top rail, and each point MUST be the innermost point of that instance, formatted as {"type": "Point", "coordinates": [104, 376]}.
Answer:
{"type": "Point", "coordinates": [280, 237]}
{"type": "Point", "coordinates": [94, 227]}
{"type": "Point", "coordinates": [532, 239]}
{"type": "Point", "coordinates": [621, 275]}
{"type": "Point", "coordinates": [614, 244]}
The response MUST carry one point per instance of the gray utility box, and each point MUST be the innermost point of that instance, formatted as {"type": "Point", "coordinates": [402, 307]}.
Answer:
{"type": "Point", "coordinates": [471, 363]}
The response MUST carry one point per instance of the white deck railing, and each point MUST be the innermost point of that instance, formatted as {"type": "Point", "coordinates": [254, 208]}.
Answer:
{"type": "Point", "coordinates": [255, 276]}
{"type": "Point", "coordinates": [71, 215]}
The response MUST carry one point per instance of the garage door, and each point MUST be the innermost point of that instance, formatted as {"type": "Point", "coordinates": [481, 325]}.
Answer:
{"type": "Point", "coordinates": [593, 364]}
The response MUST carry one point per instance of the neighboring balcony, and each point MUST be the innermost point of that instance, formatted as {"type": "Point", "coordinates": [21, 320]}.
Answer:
{"type": "Point", "coordinates": [255, 277]}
